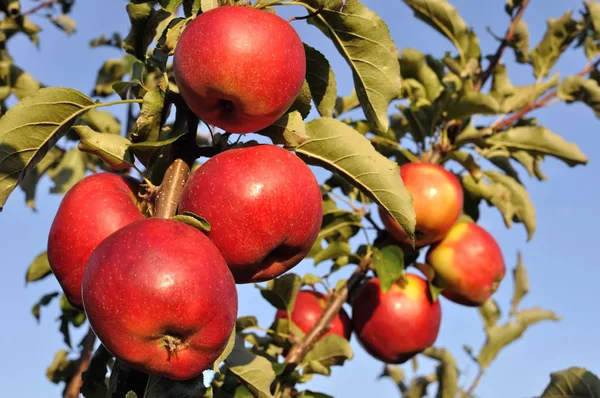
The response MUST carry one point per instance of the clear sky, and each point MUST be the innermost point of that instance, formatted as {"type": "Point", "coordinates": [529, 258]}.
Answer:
{"type": "Point", "coordinates": [561, 258]}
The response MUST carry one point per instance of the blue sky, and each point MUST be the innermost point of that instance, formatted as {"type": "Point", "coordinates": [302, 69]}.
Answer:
{"type": "Point", "coordinates": [561, 258]}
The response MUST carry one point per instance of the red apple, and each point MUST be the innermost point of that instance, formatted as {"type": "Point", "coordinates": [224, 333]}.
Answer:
{"type": "Point", "coordinates": [437, 198]}
{"type": "Point", "coordinates": [308, 307]}
{"type": "Point", "coordinates": [395, 326]}
{"type": "Point", "coordinates": [469, 264]}
{"type": "Point", "coordinates": [159, 296]}
{"type": "Point", "coordinates": [94, 208]}
{"type": "Point", "coordinates": [264, 206]}
{"type": "Point", "coordinates": [239, 68]}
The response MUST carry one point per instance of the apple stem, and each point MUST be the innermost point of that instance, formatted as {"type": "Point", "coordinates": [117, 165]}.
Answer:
{"type": "Point", "coordinates": [311, 15]}
{"type": "Point", "coordinates": [336, 300]}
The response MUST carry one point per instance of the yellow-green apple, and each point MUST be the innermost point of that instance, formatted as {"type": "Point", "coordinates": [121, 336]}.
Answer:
{"type": "Point", "coordinates": [159, 296]}
{"type": "Point", "coordinates": [308, 307]}
{"type": "Point", "coordinates": [93, 208]}
{"type": "Point", "coordinates": [239, 68]}
{"type": "Point", "coordinates": [468, 263]}
{"type": "Point", "coordinates": [437, 199]}
{"type": "Point", "coordinates": [396, 325]}
{"type": "Point", "coordinates": [264, 207]}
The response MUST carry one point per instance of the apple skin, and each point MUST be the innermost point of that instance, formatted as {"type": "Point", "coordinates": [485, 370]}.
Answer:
{"type": "Point", "coordinates": [469, 264]}
{"type": "Point", "coordinates": [93, 209]}
{"type": "Point", "coordinates": [308, 307]}
{"type": "Point", "coordinates": [159, 296]}
{"type": "Point", "coordinates": [264, 206]}
{"type": "Point", "coordinates": [395, 326]}
{"type": "Point", "coordinates": [239, 68]}
{"type": "Point", "coordinates": [437, 198]}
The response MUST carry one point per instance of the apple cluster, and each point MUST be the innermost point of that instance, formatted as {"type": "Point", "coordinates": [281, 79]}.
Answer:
{"type": "Point", "coordinates": [161, 295]}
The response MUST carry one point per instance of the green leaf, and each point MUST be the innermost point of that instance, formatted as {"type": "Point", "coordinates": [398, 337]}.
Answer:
{"type": "Point", "coordinates": [148, 124]}
{"type": "Point", "coordinates": [43, 302]}
{"type": "Point", "coordinates": [310, 279]}
{"type": "Point", "coordinates": [61, 369]}
{"type": "Point", "coordinates": [165, 45]}
{"type": "Point", "coordinates": [364, 40]}
{"type": "Point", "coordinates": [507, 194]}
{"type": "Point", "coordinates": [346, 104]}
{"type": "Point", "coordinates": [193, 220]}
{"type": "Point", "coordinates": [531, 163]}
{"type": "Point", "coordinates": [522, 96]}
{"type": "Point", "coordinates": [389, 266]}
{"type": "Point", "coordinates": [68, 172]}
{"type": "Point", "coordinates": [321, 81]}
{"type": "Point", "coordinates": [330, 350]}
{"type": "Point", "coordinates": [160, 387]}
{"type": "Point", "coordinates": [282, 292]}
{"type": "Point", "coordinates": [206, 5]}
{"type": "Point", "coordinates": [31, 128]}
{"type": "Point", "coordinates": [302, 103]}
{"type": "Point", "coordinates": [334, 250]}
{"type": "Point", "coordinates": [520, 42]}
{"type": "Point", "coordinates": [254, 371]}
{"type": "Point", "coordinates": [473, 103]}
{"type": "Point", "coordinates": [490, 312]}
{"type": "Point", "coordinates": [577, 88]}
{"type": "Point", "coordinates": [341, 149]}
{"type": "Point", "coordinates": [521, 284]}
{"type": "Point", "coordinates": [29, 182]}
{"type": "Point", "coordinates": [289, 130]}
{"type": "Point", "coordinates": [131, 394]}
{"type": "Point", "coordinates": [559, 35]}
{"type": "Point", "coordinates": [311, 394]}
{"type": "Point", "coordinates": [572, 383]}
{"type": "Point", "coordinates": [94, 378]}
{"type": "Point", "coordinates": [413, 65]}
{"type": "Point", "coordinates": [112, 71]}
{"type": "Point", "coordinates": [443, 17]}
{"type": "Point", "coordinates": [144, 21]}
{"type": "Point", "coordinates": [245, 322]}
{"type": "Point", "coordinates": [169, 5]}
{"type": "Point", "coordinates": [228, 349]}
{"type": "Point", "coordinates": [500, 336]}
{"type": "Point", "coordinates": [447, 372]}
{"type": "Point", "coordinates": [38, 269]}
{"type": "Point", "coordinates": [394, 372]}
{"type": "Point", "coordinates": [111, 148]}
{"type": "Point", "coordinates": [539, 140]}
{"type": "Point", "coordinates": [102, 121]}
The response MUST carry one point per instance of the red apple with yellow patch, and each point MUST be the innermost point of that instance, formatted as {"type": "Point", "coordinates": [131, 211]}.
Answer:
{"type": "Point", "coordinates": [396, 325]}
{"type": "Point", "coordinates": [93, 209]}
{"type": "Point", "coordinates": [239, 68]}
{"type": "Point", "coordinates": [437, 198]}
{"type": "Point", "coordinates": [309, 307]}
{"type": "Point", "coordinates": [160, 297]}
{"type": "Point", "coordinates": [468, 263]}
{"type": "Point", "coordinates": [264, 207]}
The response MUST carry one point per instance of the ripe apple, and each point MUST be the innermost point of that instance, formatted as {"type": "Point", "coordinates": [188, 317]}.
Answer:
{"type": "Point", "coordinates": [308, 307]}
{"type": "Point", "coordinates": [437, 198]}
{"type": "Point", "coordinates": [93, 208]}
{"type": "Point", "coordinates": [469, 264]}
{"type": "Point", "coordinates": [395, 326]}
{"type": "Point", "coordinates": [264, 206]}
{"type": "Point", "coordinates": [239, 68]}
{"type": "Point", "coordinates": [159, 296]}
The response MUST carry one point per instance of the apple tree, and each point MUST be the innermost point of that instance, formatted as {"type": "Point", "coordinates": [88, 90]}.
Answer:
{"type": "Point", "coordinates": [160, 221]}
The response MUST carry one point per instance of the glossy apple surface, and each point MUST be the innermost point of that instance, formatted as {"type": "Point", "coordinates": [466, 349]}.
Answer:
{"type": "Point", "coordinates": [239, 68]}
{"type": "Point", "coordinates": [264, 207]}
{"type": "Point", "coordinates": [469, 262]}
{"type": "Point", "coordinates": [308, 307]}
{"type": "Point", "coordinates": [160, 297]}
{"type": "Point", "coordinates": [395, 326]}
{"type": "Point", "coordinates": [437, 198]}
{"type": "Point", "coordinates": [93, 208]}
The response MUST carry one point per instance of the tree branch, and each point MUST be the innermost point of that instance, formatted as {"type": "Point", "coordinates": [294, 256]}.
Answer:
{"type": "Point", "coordinates": [44, 4]}
{"type": "Point", "coordinates": [87, 347]}
{"type": "Point", "coordinates": [336, 300]}
{"type": "Point", "coordinates": [169, 192]}
{"type": "Point", "coordinates": [503, 44]}
{"type": "Point", "coordinates": [539, 104]}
